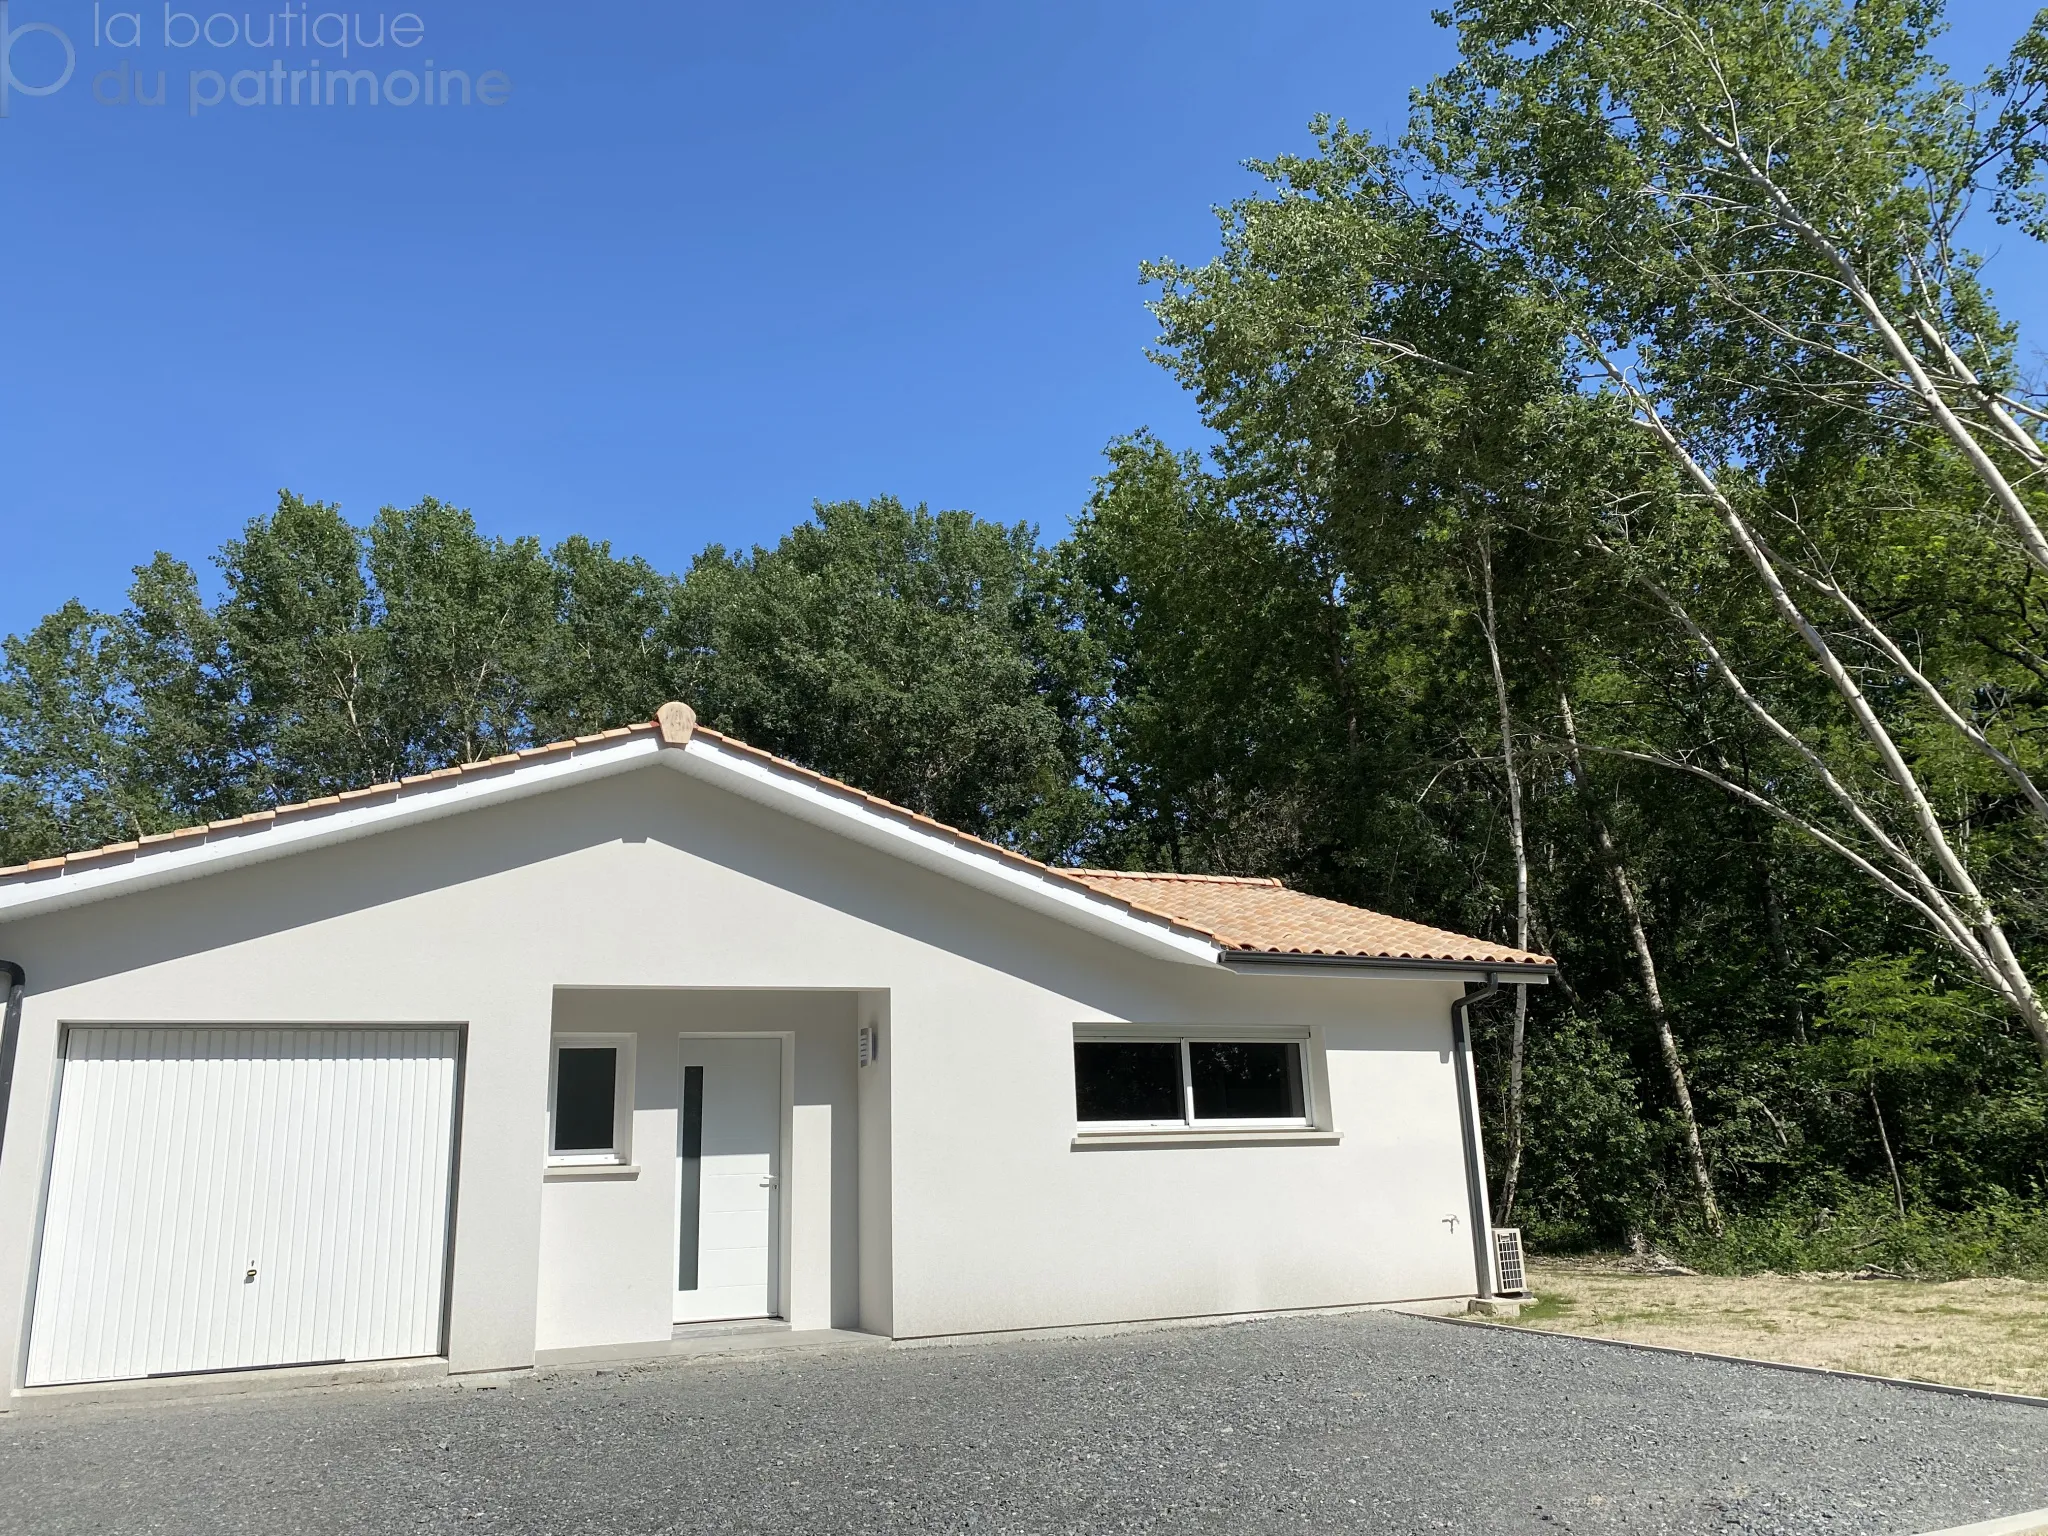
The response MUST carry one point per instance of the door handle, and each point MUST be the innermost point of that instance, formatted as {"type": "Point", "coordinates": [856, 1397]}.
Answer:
{"type": "Point", "coordinates": [768, 1181]}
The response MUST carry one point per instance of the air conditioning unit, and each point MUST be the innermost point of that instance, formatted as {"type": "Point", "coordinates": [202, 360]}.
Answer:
{"type": "Point", "coordinates": [1507, 1260]}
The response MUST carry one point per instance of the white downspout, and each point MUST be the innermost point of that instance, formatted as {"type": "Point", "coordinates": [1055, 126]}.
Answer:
{"type": "Point", "coordinates": [1475, 1151]}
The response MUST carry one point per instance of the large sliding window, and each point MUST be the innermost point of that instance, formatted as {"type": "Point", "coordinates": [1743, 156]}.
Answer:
{"type": "Point", "coordinates": [1132, 1081]}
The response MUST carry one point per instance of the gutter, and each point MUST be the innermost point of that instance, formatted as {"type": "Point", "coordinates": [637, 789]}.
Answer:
{"type": "Point", "coordinates": [1468, 1116]}
{"type": "Point", "coordinates": [1254, 961]}
{"type": "Point", "coordinates": [10, 1037]}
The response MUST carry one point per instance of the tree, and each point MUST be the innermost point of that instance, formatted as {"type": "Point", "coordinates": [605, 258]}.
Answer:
{"type": "Point", "coordinates": [1746, 214]}
{"type": "Point", "coordinates": [892, 647]}
{"type": "Point", "coordinates": [602, 661]}
{"type": "Point", "coordinates": [1221, 692]}
{"type": "Point", "coordinates": [1518, 840]}
{"type": "Point", "coordinates": [63, 726]}
{"type": "Point", "coordinates": [1397, 401]}
{"type": "Point", "coordinates": [1879, 1022]}
{"type": "Point", "coordinates": [298, 620]}
{"type": "Point", "coordinates": [460, 626]}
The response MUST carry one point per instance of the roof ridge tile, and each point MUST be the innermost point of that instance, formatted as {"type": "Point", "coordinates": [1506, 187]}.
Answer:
{"type": "Point", "coordinates": [1174, 874]}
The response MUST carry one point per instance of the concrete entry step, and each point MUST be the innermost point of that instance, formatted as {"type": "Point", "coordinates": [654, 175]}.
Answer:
{"type": "Point", "coordinates": [692, 1342]}
{"type": "Point", "coordinates": [719, 1330]}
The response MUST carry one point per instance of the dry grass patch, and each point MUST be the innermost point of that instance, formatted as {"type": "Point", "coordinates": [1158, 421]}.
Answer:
{"type": "Point", "coordinates": [1965, 1333]}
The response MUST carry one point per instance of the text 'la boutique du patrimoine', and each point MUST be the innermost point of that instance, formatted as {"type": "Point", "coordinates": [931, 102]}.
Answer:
{"type": "Point", "coordinates": [343, 78]}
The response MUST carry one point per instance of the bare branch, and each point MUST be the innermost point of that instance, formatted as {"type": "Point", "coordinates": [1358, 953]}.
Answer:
{"type": "Point", "coordinates": [1953, 932]}
{"type": "Point", "coordinates": [1934, 837]}
{"type": "Point", "coordinates": [1896, 655]}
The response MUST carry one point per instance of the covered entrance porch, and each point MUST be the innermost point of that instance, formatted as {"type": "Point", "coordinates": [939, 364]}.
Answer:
{"type": "Point", "coordinates": [706, 1155]}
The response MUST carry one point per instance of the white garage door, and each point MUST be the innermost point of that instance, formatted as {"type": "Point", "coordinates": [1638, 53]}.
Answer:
{"type": "Point", "coordinates": [227, 1198]}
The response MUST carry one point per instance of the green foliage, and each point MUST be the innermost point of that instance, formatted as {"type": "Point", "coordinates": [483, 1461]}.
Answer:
{"type": "Point", "coordinates": [1620, 141]}
{"type": "Point", "coordinates": [1747, 217]}
{"type": "Point", "coordinates": [1590, 1174]}
{"type": "Point", "coordinates": [1881, 1019]}
{"type": "Point", "coordinates": [917, 654]}
{"type": "Point", "coordinates": [1393, 347]}
{"type": "Point", "coordinates": [64, 720]}
{"type": "Point", "coordinates": [1851, 1228]}
{"type": "Point", "coordinates": [606, 655]}
{"type": "Point", "coordinates": [1225, 676]}
{"type": "Point", "coordinates": [903, 650]}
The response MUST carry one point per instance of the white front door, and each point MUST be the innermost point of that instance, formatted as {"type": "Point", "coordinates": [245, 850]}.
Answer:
{"type": "Point", "coordinates": [728, 1167]}
{"type": "Point", "coordinates": [227, 1198]}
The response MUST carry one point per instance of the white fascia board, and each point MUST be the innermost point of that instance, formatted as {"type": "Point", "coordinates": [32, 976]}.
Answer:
{"type": "Point", "coordinates": [839, 812]}
{"type": "Point", "coordinates": [1261, 963]}
{"type": "Point", "coordinates": [253, 843]}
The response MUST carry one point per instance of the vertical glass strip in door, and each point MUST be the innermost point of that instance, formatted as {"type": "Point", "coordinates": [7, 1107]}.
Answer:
{"type": "Point", "coordinates": [690, 1178]}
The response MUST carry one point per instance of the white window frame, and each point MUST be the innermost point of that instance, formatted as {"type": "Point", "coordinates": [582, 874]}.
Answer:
{"type": "Point", "coordinates": [1245, 1034]}
{"type": "Point", "coordinates": [621, 1153]}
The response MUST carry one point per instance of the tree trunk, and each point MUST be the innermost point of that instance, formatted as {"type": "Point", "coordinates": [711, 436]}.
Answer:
{"type": "Point", "coordinates": [1511, 1176]}
{"type": "Point", "coordinates": [1646, 966]}
{"type": "Point", "coordinates": [1781, 949]}
{"type": "Point", "coordinates": [1667, 1042]}
{"type": "Point", "coordinates": [1774, 912]}
{"type": "Point", "coordinates": [1885, 1141]}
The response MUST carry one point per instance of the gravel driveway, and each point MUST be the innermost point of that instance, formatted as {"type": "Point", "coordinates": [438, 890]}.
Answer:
{"type": "Point", "coordinates": [1369, 1422]}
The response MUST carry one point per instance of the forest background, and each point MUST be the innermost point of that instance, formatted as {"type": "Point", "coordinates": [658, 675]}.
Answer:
{"type": "Point", "coordinates": [1621, 537]}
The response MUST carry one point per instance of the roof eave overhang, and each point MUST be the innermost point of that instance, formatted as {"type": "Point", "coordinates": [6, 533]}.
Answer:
{"type": "Point", "coordinates": [257, 842]}
{"type": "Point", "coordinates": [1389, 968]}
{"type": "Point", "coordinates": [851, 815]}
{"type": "Point", "coordinates": [751, 776]}
{"type": "Point", "coordinates": [241, 845]}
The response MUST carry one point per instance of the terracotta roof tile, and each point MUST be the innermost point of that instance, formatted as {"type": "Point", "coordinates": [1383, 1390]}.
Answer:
{"type": "Point", "coordinates": [112, 850]}
{"type": "Point", "coordinates": [1245, 914]}
{"type": "Point", "coordinates": [1263, 916]}
{"type": "Point", "coordinates": [154, 842]}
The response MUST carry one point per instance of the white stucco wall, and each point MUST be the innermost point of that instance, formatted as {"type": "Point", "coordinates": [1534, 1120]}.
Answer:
{"type": "Point", "coordinates": [947, 1193]}
{"type": "Point", "coordinates": [1002, 1222]}
{"type": "Point", "coordinates": [608, 1242]}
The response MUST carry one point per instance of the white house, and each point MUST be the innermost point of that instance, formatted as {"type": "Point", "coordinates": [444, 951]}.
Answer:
{"type": "Point", "coordinates": [576, 1047]}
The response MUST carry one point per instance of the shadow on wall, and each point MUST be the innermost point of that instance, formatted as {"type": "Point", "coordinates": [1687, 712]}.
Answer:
{"type": "Point", "coordinates": [648, 805]}
{"type": "Point", "coordinates": [654, 808]}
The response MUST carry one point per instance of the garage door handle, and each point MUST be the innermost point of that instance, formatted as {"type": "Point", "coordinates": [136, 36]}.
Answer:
{"type": "Point", "coordinates": [767, 1181]}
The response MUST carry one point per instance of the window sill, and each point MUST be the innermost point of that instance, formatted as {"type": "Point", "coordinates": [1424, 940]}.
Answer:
{"type": "Point", "coordinates": [1200, 1136]}
{"type": "Point", "coordinates": [592, 1171]}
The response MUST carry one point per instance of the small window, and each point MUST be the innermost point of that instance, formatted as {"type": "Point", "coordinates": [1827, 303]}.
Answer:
{"type": "Point", "coordinates": [1143, 1083]}
{"type": "Point", "coordinates": [590, 1100]}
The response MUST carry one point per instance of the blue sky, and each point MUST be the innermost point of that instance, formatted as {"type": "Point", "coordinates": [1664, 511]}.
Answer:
{"type": "Point", "coordinates": [704, 264]}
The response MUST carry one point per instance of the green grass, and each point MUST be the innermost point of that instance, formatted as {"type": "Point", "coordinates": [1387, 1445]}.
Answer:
{"type": "Point", "coordinates": [1545, 1309]}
